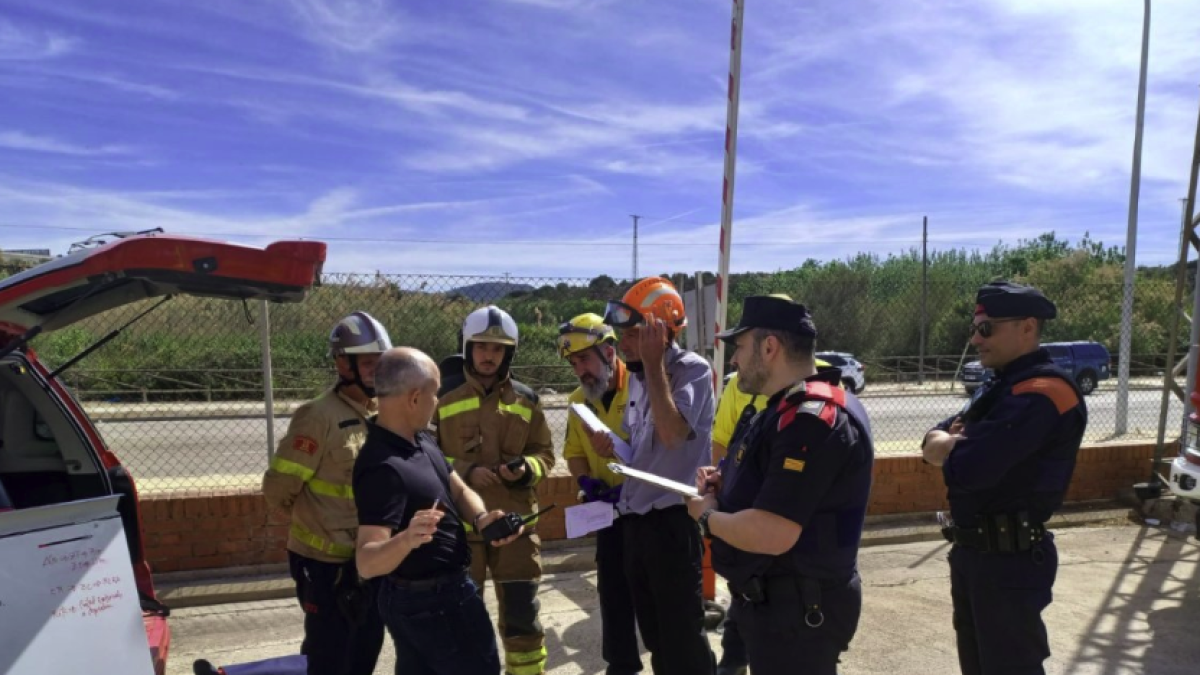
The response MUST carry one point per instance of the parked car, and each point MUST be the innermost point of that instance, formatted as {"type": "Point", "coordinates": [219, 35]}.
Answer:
{"type": "Point", "coordinates": [50, 451]}
{"type": "Point", "coordinates": [853, 376]}
{"type": "Point", "coordinates": [1087, 363]}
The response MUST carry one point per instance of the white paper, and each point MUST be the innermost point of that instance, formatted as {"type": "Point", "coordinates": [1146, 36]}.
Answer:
{"type": "Point", "coordinates": [620, 448]}
{"type": "Point", "coordinates": [587, 518]}
{"type": "Point", "coordinates": [654, 479]}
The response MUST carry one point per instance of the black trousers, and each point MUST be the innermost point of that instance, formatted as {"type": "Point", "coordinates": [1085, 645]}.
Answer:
{"type": "Point", "coordinates": [337, 641]}
{"type": "Point", "coordinates": [618, 624]}
{"type": "Point", "coordinates": [998, 603]}
{"type": "Point", "coordinates": [779, 639]}
{"type": "Point", "coordinates": [733, 648]}
{"type": "Point", "coordinates": [663, 559]}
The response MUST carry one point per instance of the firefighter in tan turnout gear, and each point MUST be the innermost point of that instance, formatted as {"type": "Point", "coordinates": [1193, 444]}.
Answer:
{"type": "Point", "coordinates": [493, 429]}
{"type": "Point", "coordinates": [310, 479]}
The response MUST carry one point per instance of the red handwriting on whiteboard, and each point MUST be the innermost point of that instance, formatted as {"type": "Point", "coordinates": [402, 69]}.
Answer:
{"type": "Point", "coordinates": [81, 559]}
{"type": "Point", "coordinates": [85, 586]}
{"type": "Point", "coordinates": [90, 606]}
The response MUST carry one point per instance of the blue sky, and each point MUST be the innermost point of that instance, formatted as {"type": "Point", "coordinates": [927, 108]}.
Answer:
{"type": "Point", "coordinates": [441, 136]}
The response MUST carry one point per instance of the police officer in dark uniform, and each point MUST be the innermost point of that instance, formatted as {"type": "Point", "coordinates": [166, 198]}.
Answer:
{"type": "Point", "coordinates": [785, 512]}
{"type": "Point", "coordinates": [1007, 460]}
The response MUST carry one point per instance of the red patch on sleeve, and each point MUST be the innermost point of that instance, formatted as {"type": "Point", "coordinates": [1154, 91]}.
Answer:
{"type": "Point", "coordinates": [304, 444]}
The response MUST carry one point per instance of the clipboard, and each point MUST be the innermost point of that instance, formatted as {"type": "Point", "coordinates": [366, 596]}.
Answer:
{"type": "Point", "coordinates": [620, 448]}
{"type": "Point", "coordinates": [654, 479]}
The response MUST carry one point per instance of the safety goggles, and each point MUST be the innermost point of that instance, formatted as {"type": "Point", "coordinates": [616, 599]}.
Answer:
{"type": "Point", "coordinates": [986, 327]}
{"type": "Point", "coordinates": [620, 315]}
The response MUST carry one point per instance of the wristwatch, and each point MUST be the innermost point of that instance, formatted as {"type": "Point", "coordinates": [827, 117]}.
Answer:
{"type": "Point", "coordinates": [703, 523]}
{"type": "Point", "coordinates": [475, 520]}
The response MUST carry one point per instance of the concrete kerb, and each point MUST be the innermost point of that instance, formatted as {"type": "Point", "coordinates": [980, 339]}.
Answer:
{"type": "Point", "coordinates": [271, 582]}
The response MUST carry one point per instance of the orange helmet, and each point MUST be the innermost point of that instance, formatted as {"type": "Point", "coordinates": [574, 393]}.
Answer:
{"type": "Point", "coordinates": [652, 297]}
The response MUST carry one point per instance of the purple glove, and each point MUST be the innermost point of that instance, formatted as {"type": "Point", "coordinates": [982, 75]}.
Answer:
{"type": "Point", "coordinates": [592, 488]}
{"type": "Point", "coordinates": [611, 495]}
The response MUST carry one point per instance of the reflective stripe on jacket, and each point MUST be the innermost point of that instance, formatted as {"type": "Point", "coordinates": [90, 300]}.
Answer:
{"type": "Point", "coordinates": [310, 476]}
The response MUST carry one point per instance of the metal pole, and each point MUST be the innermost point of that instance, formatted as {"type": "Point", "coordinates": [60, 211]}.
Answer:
{"type": "Point", "coordinates": [1194, 341]}
{"type": "Point", "coordinates": [1131, 241]}
{"type": "Point", "coordinates": [264, 336]}
{"type": "Point", "coordinates": [731, 121]}
{"type": "Point", "coordinates": [924, 296]}
{"type": "Point", "coordinates": [635, 260]}
{"type": "Point", "coordinates": [1168, 369]}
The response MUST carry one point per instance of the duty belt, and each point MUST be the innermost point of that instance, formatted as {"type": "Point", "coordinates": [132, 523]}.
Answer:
{"type": "Point", "coordinates": [999, 533]}
{"type": "Point", "coordinates": [431, 583]}
{"type": "Point", "coordinates": [782, 590]}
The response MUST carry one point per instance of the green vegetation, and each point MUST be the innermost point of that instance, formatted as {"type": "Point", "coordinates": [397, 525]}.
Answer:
{"type": "Point", "coordinates": [871, 306]}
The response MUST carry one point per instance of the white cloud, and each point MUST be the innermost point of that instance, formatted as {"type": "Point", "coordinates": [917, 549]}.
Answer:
{"type": "Point", "coordinates": [355, 26]}
{"type": "Point", "coordinates": [17, 140]}
{"type": "Point", "coordinates": [26, 44]}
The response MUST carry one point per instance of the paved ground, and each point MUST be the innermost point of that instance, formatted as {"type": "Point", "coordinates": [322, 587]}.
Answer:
{"type": "Point", "coordinates": [1127, 601]}
{"type": "Point", "coordinates": [225, 444]}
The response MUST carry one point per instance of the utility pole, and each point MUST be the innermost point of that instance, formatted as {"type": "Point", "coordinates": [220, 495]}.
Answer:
{"type": "Point", "coordinates": [924, 296]}
{"type": "Point", "coordinates": [635, 224]}
{"type": "Point", "coordinates": [1126, 346]}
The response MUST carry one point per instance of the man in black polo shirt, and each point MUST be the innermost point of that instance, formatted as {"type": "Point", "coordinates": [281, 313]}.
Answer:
{"type": "Point", "coordinates": [411, 509]}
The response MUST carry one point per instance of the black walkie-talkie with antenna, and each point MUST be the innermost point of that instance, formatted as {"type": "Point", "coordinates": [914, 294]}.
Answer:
{"type": "Point", "coordinates": [509, 524]}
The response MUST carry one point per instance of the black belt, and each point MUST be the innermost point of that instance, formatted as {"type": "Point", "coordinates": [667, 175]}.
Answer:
{"type": "Point", "coordinates": [785, 590]}
{"type": "Point", "coordinates": [430, 584]}
{"type": "Point", "coordinates": [999, 533]}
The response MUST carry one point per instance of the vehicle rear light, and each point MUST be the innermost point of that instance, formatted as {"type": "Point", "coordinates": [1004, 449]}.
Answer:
{"type": "Point", "coordinates": [1192, 456]}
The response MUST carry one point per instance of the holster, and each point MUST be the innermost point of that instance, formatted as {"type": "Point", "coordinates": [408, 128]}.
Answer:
{"type": "Point", "coordinates": [354, 596]}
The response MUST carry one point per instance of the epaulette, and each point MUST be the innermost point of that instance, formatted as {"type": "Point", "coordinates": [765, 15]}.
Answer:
{"type": "Point", "coordinates": [811, 398]}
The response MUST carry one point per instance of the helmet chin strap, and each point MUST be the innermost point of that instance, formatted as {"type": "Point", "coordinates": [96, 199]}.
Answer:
{"type": "Point", "coordinates": [603, 359]}
{"type": "Point", "coordinates": [357, 381]}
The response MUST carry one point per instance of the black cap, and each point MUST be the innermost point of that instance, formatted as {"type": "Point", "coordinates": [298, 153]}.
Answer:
{"type": "Point", "coordinates": [1003, 299]}
{"type": "Point", "coordinates": [772, 313]}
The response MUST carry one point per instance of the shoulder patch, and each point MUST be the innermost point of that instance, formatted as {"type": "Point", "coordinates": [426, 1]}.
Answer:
{"type": "Point", "coordinates": [1060, 393]}
{"type": "Point", "coordinates": [305, 444]}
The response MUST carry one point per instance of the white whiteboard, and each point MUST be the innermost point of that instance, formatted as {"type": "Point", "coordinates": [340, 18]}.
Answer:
{"type": "Point", "coordinates": [68, 601]}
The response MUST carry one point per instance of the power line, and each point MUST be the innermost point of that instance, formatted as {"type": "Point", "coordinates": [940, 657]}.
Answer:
{"type": "Point", "coordinates": [455, 242]}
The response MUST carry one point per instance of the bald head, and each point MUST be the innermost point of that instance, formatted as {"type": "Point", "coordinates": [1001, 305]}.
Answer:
{"type": "Point", "coordinates": [402, 370]}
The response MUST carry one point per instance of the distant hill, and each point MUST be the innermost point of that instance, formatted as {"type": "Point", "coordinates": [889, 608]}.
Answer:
{"type": "Point", "coordinates": [489, 291]}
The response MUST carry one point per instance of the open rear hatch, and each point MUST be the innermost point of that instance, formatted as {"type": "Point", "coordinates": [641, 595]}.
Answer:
{"type": "Point", "coordinates": [59, 293]}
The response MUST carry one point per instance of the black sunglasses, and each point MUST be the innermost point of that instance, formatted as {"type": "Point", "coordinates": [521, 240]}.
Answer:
{"type": "Point", "coordinates": [986, 327]}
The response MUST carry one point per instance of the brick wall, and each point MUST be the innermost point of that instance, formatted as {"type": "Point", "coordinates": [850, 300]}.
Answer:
{"type": "Point", "coordinates": [211, 529]}
{"type": "Point", "coordinates": [909, 485]}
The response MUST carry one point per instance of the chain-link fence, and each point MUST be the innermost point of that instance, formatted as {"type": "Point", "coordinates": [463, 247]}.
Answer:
{"type": "Point", "coordinates": [179, 396]}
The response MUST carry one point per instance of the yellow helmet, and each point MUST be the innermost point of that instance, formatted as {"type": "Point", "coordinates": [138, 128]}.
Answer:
{"type": "Point", "coordinates": [582, 333]}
